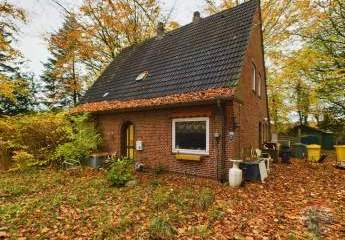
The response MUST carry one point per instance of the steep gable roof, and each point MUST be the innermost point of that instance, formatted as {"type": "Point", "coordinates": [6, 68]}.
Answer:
{"type": "Point", "coordinates": [199, 56]}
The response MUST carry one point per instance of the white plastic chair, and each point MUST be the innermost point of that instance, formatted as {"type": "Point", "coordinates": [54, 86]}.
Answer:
{"type": "Point", "coordinates": [265, 157]}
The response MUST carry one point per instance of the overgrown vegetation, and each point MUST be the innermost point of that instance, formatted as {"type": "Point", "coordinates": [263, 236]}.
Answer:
{"type": "Point", "coordinates": [121, 172]}
{"type": "Point", "coordinates": [46, 139]}
{"type": "Point", "coordinates": [160, 228]}
{"type": "Point", "coordinates": [82, 140]}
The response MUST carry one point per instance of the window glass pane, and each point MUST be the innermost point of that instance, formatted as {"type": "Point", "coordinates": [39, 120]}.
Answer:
{"type": "Point", "coordinates": [190, 135]}
{"type": "Point", "coordinates": [259, 86]}
{"type": "Point", "coordinates": [254, 77]}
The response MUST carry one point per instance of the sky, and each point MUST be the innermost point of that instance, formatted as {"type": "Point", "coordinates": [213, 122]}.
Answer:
{"type": "Point", "coordinates": [44, 16]}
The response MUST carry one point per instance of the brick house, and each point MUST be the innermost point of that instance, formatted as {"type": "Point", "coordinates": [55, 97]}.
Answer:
{"type": "Point", "coordinates": [189, 99]}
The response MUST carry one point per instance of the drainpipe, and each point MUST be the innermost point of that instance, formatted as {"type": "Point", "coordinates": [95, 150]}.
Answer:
{"type": "Point", "coordinates": [221, 153]}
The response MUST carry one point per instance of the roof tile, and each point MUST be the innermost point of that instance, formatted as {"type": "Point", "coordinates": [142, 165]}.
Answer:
{"type": "Point", "coordinates": [193, 58]}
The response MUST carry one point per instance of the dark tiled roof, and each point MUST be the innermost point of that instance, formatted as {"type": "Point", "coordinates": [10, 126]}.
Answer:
{"type": "Point", "coordinates": [195, 57]}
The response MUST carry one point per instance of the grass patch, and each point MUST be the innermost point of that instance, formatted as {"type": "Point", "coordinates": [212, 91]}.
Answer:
{"type": "Point", "coordinates": [205, 198]}
{"type": "Point", "coordinates": [216, 214]}
{"type": "Point", "coordinates": [160, 228]}
{"type": "Point", "coordinates": [201, 231]}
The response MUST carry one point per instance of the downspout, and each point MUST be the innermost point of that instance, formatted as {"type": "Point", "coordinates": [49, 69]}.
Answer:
{"type": "Point", "coordinates": [221, 153]}
{"type": "Point", "coordinates": [265, 76]}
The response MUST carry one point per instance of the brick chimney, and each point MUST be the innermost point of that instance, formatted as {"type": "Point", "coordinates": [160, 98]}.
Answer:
{"type": "Point", "coordinates": [196, 17]}
{"type": "Point", "coordinates": [160, 29]}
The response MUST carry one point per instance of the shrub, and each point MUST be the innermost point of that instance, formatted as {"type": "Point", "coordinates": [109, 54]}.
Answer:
{"type": "Point", "coordinates": [121, 172]}
{"type": "Point", "coordinates": [42, 133]}
{"type": "Point", "coordinates": [24, 160]}
{"type": "Point", "coordinates": [38, 134]}
{"type": "Point", "coordinates": [48, 137]}
{"type": "Point", "coordinates": [160, 228]}
{"type": "Point", "coordinates": [83, 139]}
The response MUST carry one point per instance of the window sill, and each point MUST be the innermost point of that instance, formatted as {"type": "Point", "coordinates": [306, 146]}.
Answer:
{"type": "Point", "coordinates": [190, 152]}
{"type": "Point", "coordinates": [188, 157]}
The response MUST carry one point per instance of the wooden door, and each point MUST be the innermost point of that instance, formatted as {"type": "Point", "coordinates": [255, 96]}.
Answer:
{"type": "Point", "coordinates": [128, 141]}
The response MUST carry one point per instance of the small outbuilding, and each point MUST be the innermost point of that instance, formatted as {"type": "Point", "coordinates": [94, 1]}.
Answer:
{"type": "Point", "coordinates": [310, 135]}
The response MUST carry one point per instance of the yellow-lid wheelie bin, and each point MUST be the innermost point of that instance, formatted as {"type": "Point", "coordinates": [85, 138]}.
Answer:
{"type": "Point", "coordinates": [340, 152]}
{"type": "Point", "coordinates": [313, 152]}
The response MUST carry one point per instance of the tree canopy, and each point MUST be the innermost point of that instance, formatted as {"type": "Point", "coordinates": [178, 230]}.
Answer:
{"type": "Point", "coordinates": [16, 93]}
{"type": "Point", "coordinates": [304, 51]}
{"type": "Point", "coordinates": [304, 45]}
{"type": "Point", "coordinates": [90, 39]}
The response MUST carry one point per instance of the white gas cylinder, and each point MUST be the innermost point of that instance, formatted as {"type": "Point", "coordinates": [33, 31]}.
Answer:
{"type": "Point", "coordinates": [235, 174]}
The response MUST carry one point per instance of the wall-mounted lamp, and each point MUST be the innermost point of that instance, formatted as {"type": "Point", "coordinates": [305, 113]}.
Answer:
{"type": "Point", "coordinates": [231, 135]}
{"type": "Point", "coordinates": [216, 136]}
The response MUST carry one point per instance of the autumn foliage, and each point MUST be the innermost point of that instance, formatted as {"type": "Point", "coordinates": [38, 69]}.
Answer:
{"type": "Point", "coordinates": [46, 139]}
{"type": "Point", "coordinates": [15, 85]}
{"type": "Point", "coordinates": [303, 44]}
{"type": "Point", "coordinates": [90, 39]}
{"type": "Point", "coordinates": [184, 98]}
{"type": "Point", "coordinates": [299, 201]}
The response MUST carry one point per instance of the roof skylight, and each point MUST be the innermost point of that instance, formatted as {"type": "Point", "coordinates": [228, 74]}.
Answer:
{"type": "Point", "coordinates": [142, 76]}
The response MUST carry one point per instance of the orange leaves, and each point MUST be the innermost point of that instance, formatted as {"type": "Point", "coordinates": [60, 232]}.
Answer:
{"type": "Point", "coordinates": [80, 205]}
{"type": "Point", "coordinates": [9, 87]}
{"type": "Point", "coordinates": [93, 36]}
{"type": "Point", "coordinates": [172, 25]}
{"type": "Point", "coordinates": [207, 95]}
{"type": "Point", "coordinates": [6, 88]}
{"type": "Point", "coordinates": [114, 24]}
{"type": "Point", "coordinates": [10, 11]}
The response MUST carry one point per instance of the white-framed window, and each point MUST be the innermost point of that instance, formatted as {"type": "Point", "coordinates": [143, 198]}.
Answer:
{"type": "Point", "coordinates": [253, 77]}
{"type": "Point", "coordinates": [190, 135]}
{"type": "Point", "coordinates": [259, 85]}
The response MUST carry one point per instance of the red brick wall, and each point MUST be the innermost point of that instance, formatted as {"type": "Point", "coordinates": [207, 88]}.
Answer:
{"type": "Point", "coordinates": [253, 108]}
{"type": "Point", "coordinates": [154, 128]}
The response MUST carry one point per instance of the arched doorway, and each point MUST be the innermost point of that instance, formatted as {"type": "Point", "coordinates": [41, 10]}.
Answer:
{"type": "Point", "coordinates": [127, 140]}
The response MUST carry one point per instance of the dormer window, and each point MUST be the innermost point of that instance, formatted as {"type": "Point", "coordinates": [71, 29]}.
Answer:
{"type": "Point", "coordinates": [142, 76]}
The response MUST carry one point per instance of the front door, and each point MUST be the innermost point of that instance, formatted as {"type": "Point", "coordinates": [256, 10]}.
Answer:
{"type": "Point", "coordinates": [128, 143]}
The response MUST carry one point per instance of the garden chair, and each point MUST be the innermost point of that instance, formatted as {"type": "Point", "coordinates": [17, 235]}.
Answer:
{"type": "Point", "coordinates": [265, 157]}
{"type": "Point", "coordinates": [247, 154]}
{"type": "Point", "coordinates": [71, 164]}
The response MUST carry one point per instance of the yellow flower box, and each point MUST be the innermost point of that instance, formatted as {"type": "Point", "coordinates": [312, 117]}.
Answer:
{"type": "Point", "coordinates": [188, 157]}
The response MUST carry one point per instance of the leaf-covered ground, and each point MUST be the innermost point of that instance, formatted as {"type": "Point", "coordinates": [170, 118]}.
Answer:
{"type": "Point", "coordinates": [298, 201]}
